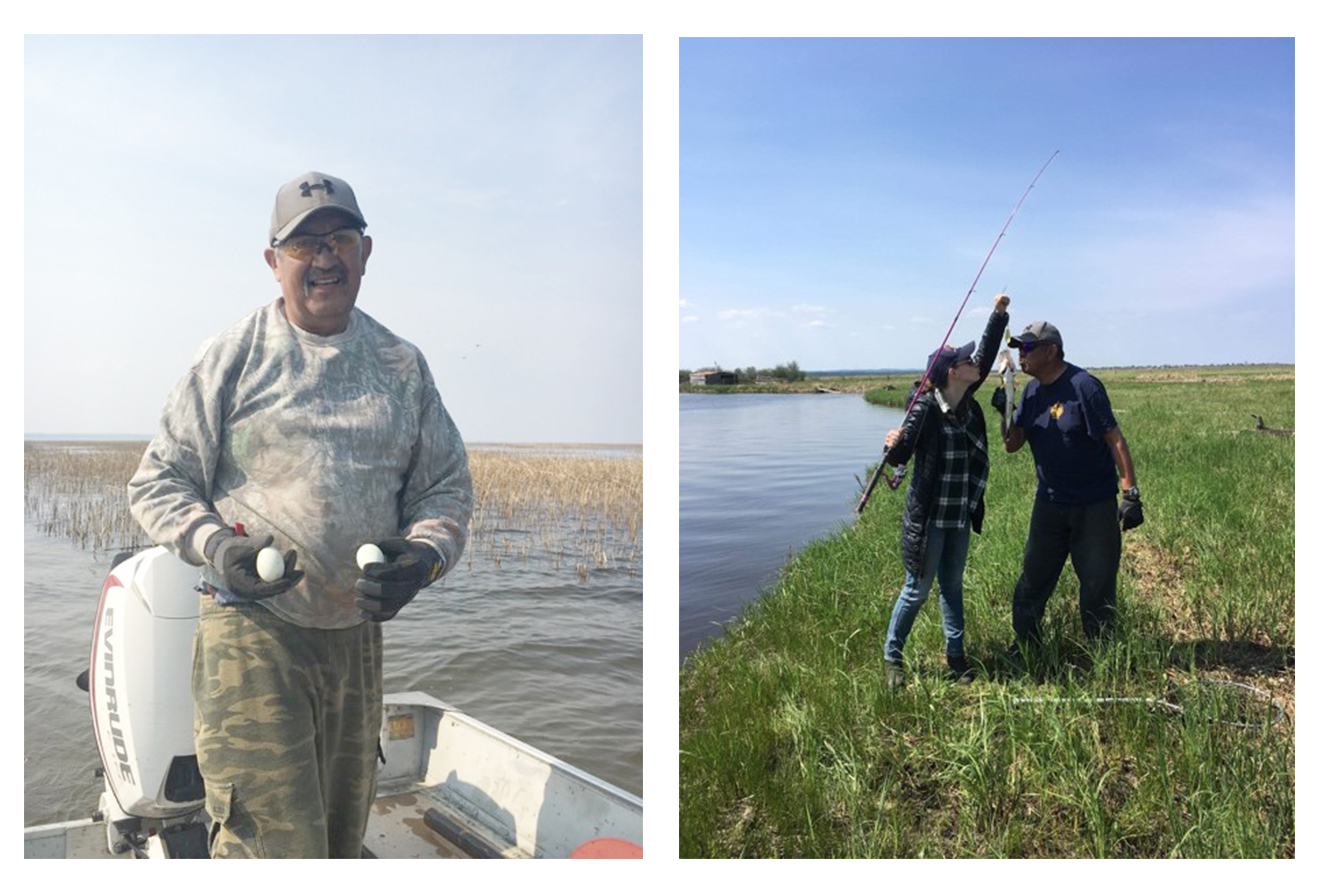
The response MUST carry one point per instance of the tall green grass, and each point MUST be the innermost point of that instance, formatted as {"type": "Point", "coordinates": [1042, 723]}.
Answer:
{"type": "Point", "coordinates": [791, 745]}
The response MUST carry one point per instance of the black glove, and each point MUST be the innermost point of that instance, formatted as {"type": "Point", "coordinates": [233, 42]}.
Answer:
{"type": "Point", "coordinates": [1129, 513]}
{"type": "Point", "coordinates": [385, 588]}
{"type": "Point", "coordinates": [1000, 400]}
{"type": "Point", "coordinates": [234, 557]}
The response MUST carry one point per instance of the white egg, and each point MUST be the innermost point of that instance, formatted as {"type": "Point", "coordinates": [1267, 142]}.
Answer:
{"type": "Point", "coordinates": [269, 564]}
{"type": "Point", "coordinates": [369, 553]}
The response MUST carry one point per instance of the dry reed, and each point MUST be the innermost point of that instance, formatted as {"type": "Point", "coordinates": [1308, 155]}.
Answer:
{"type": "Point", "coordinates": [578, 509]}
{"type": "Point", "coordinates": [77, 489]}
{"type": "Point", "coordinates": [571, 510]}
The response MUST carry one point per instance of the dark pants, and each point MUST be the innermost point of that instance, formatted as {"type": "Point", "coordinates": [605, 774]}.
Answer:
{"type": "Point", "coordinates": [1090, 535]}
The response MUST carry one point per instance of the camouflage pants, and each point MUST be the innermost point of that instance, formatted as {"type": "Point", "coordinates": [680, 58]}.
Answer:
{"type": "Point", "coordinates": [286, 726]}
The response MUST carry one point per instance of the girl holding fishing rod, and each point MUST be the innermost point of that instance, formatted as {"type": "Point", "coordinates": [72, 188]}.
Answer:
{"type": "Point", "coordinates": [945, 432]}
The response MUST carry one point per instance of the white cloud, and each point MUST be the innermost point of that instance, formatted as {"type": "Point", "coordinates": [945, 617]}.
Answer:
{"type": "Point", "coordinates": [745, 314]}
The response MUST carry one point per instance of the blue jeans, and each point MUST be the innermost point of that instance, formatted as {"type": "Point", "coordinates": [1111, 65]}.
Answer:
{"type": "Point", "coordinates": [945, 560]}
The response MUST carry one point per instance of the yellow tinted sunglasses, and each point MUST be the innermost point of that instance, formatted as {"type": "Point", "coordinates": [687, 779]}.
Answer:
{"type": "Point", "coordinates": [305, 248]}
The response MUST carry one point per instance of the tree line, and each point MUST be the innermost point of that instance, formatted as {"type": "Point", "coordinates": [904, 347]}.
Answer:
{"type": "Point", "coordinates": [789, 372]}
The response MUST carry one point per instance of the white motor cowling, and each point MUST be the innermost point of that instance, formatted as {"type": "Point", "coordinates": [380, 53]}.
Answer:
{"type": "Point", "coordinates": [139, 685]}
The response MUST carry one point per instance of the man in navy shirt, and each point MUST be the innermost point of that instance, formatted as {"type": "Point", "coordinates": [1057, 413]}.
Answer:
{"type": "Point", "coordinates": [1081, 459]}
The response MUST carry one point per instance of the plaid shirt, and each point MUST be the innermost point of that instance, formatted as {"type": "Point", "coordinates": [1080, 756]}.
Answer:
{"type": "Point", "coordinates": [964, 470]}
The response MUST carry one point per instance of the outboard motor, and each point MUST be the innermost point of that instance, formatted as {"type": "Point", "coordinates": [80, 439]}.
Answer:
{"type": "Point", "coordinates": [143, 712]}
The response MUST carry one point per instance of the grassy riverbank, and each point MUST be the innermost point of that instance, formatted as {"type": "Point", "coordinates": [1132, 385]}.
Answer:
{"type": "Point", "coordinates": [792, 746]}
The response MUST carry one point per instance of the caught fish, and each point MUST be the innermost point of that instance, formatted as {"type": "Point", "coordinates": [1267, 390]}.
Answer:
{"type": "Point", "coordinates": [1006, 367]}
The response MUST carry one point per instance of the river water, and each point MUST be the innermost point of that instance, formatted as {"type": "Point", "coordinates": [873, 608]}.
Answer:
{"type": "Point", "coordinates": [527, 648]}
{"type": "Point", "coordinates": [760, 476]}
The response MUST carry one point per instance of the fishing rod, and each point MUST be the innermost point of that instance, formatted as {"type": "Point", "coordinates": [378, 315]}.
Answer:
{"type": "Point", "coordinates": [894, 481]}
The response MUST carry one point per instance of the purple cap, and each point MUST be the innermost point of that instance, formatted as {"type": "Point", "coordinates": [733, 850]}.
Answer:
{"type": "Point", "coordinates": [948, 358]}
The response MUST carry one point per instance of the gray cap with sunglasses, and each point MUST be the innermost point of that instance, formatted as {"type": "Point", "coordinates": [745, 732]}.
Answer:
{"type": "Point", "coordinates": [301, 197]}
{"type": "Point", "coordinates": [1041, 331]}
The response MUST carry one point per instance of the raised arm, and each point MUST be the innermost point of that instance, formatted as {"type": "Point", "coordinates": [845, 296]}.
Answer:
{"type": "Point", "coordinates": [991, 340]}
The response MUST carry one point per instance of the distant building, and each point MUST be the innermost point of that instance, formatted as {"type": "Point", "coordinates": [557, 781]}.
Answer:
{"type": "Point", "coordinates": [714, 378]}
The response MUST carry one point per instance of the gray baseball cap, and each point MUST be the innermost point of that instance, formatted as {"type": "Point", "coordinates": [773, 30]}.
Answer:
{"type": "Point", "coordinates": [302, 196]}
{"type": "Point", "coordinates": [1039, 331]}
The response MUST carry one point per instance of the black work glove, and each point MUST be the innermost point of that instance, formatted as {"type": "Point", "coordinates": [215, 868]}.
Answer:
{"type": "Point", "coordinates": [234, 557]}
{"type": "Point", "coordinates": [1000, 401]}
{"type": "Point", "coordinates": [385, 588]}
{"type": "Point", "coordinates": [1129, 513]}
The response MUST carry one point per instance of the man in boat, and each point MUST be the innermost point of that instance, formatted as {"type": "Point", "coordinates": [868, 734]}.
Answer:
{"type": "Point", "coordinates": [1081, 459]}
{"type": "Point", "coordinates": [310, 427]}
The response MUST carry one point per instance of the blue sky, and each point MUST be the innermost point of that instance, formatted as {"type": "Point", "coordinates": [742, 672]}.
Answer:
{"type": "Point", "coordinates": [839, 195]}
{"type": "Point", "coordinates": [500, 177]}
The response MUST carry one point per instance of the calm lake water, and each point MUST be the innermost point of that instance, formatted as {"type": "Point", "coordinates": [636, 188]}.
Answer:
{"type": "Point", "coordinates": [760, 476]}
{"type": "Point", "coordinates": [526, 648]}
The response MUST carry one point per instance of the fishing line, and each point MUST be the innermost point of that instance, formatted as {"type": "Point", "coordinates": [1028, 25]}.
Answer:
{"type": "Point", "coordinates": [1164, 703]}
{"type": "Point", "coordinates": [894, 481]}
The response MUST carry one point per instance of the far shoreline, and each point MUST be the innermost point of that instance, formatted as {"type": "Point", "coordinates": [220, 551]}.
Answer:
{"type": "Point", "coordinates": [860, 383]}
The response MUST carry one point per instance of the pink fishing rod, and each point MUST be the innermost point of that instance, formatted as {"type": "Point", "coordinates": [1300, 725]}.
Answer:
{"type": "Point", "coordinates": [899, 475]}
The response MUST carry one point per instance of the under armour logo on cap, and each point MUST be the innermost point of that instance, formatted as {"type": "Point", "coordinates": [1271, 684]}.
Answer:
{"type": "Point", "coordinates": [302, 196]}
{"type": "Point", "coordinates": [325, 185]}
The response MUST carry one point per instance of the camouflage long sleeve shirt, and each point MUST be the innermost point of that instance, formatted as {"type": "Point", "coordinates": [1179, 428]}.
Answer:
{"type": "Point", "coordinates": [323, 442]}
